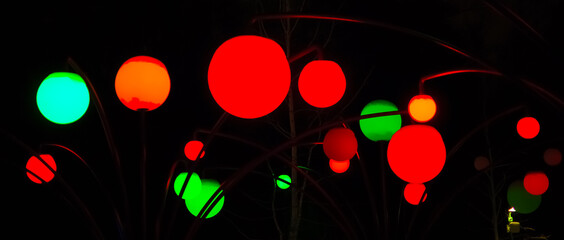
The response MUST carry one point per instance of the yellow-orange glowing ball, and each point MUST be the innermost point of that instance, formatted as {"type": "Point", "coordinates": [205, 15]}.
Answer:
{"type": "Point", "coordinates": [422, 108]}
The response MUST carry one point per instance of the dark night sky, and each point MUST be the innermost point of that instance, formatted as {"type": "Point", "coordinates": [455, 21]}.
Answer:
{"type": "Point", "coordinates": [378, 63]}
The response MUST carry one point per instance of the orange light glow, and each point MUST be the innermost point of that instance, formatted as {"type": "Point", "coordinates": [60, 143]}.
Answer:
{"type": "Point", "coordinates": [37, 169]}
{"type": "Point", "coordinates": [340, 144]}
{"type": "Point", "coordinates": [422, 108]}
{"type": "Point", "coordinates": [322, 83]}
{"type": "Point", "coordinates": [528, 127]}
{"type": "Point", "coordinates": [339, 166]}
{"type": "Point", "coordinates": [413, 193]}
{"type": "Point", "coordinates": [536, 183]}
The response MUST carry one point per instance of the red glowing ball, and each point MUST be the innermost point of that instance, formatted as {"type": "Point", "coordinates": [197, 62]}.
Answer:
{"type": "Point", "coordinates": [322, 83]}
{"type": "Point", "coordinates": [340, 144]}
{"type": "Point", "coordinates": [38, 172]}
{"type": "Point", "coordinates": [536, 183]}
{"type": "Point", "coordinates": [339, 166]}
{"type": "Point", "coordinates": [192, 148]}
{"type": "Point", "coordinates": [249, 76]}
{"type": "Point", "coordinates": [413, 193]}
{"type": "Point", "coordinates": [552, 156]}
{"type": "Point", "coordinates": [481, 163]}
{"type": "Point", "coordinates": [416, 153]}
{"type": "Point", "coordinates": [528, 127]}
{"type": "Point", "coordinates": [422, 108]}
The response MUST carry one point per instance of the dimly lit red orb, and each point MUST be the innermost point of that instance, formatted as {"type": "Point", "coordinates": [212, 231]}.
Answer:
{"type": "Point", "coordinates": [481, 163]}
{"type": "Point", "coordinates": [422, 108]}
{"type": "Point", "coordinates": [340, 144]}
{"type": "Point", "coordinates": [249, 76]}
{"type": "Point", "coordinates": [35, 166]}
{"type": "Point", "coordinates": [192, 148]}
{"type": "Point", "coordinates": [322, 83]}
{"type": "Point", "coordinates": [552, 156]}
{"type": "Point", "coordinates": [339, 166]}
{"type": "Point", "coordinates": [416, 153]}
{"type": "Point", "coordinates": [413, 193]}
{"type": "Point", "coordinates": [528, 127]}
{"type": "Point", "coordinates": [536, 183]}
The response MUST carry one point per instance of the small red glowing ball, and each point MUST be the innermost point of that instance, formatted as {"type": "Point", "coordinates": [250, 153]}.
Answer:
{"type": "Point", "coordinates": [552, 156]}
{"type": "Point", "coordinates": [192, 148]}
{"type": "Point", "coordinates": [422, 108]}
{"type": "Point", "coordinates": [340, 144]}
{"type": "Point", "coordinates": [39, 172]}
{"type": "Point", "coordinates": [528, 127]}
{"type": "Point", "coordinates": [416, 153]}
{"type": "Point", "coordinates": [481, 163]}
{"type": "Point", "coordinates": [249, 76]}
{"type": "Point", "coordinates": [536, 183]}
{"type": "Point", "coordinates": [339, 166]}
{"type": "Point", "coordinates": [322, 83]}
{"type": "Point", "coordinates": [413, 193]}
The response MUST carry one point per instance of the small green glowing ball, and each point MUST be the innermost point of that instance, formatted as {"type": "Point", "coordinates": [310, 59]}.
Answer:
{"type": "Point", "coordinates": [193, 186]}
{"type": "Point", "coordinates": [281, 184]}
{"type": "Point", "coordinates": [380, 128]}
{"type": "Point", "coordinates": [195, 203]}
{"type": "Point", "coordinates": [63, 97]}
{"type": "Point", "coordinates": [520, 199]}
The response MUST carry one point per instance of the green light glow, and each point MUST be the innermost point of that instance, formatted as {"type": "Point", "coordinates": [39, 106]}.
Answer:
{"type": "Point", "coordinates": [281, 184]}
{"type": "Point", "coordinates": [192, 188]}
{"type": "Point", "coordinates": [195, 203]}
{"type": "Point", "coordinates": [520, 199]}
{"type": "Point", "coordinates": [380, 128]}
{"type": "Point", "coordinates": [63, 97]}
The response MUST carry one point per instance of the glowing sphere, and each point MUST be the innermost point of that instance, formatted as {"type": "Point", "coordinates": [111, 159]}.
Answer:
{"type": "Point", "coordinates": [481, 163]}
{"type": "Point", "coordinates": [63, 97]}
{"type": "Point", "coordinates": [197, 202]}
{"type": "Point", "coordinates": [193, 186]}
{"type": "Point", "coordinates": [192, 148]}
{"type": "Point", "coordinates": [528, 127]}
{"type": "Point", "coordinates": [340, 144]}
{"type": "Point", "coordinates": [249, 76]}
{"type": "Point", "coordinates": [422, 108]}
{"type": "Point", "coordinates": [380, 128]}
{"type": "Point", "coordinates": [520, 199]}
{"type": "Point", "coordinates": [535, 183]}
{"type": "Point", "coordinates": [339, 166]}
{"type": "Point", "coordinates": [283, 181]}
{"type": "Point", "coordinates": [552, 156]}
{"type": "Point", "coordinates": [35, 166]}
{"type": "Point", "coordinates": [142, 82]}
{"type": "Point", "coordinates": [413, 193]}
{"type": "Point", "coordinates": [416, 153]}
{"type": "Point", "coordinates": [322, 83]}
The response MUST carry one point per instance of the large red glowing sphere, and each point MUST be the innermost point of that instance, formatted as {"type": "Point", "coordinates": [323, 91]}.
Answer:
{"type": "Point", "coordinates": [249, 76]}
{"type": "Point", "coordinates": [340, 144]}
{"type": "Point", "coordinates": [193, 148]}
{"type": "Point", "coordinates": [528, 127]}
{"type": "Point", "coordinates": [322, 83]}
{"type": "Point", "coordinates": [38, 172]}
{"type": "Point", "coordinates": [416, 153]}
{"type": "Point", "coordinates": [142, 82]}
{"type": "Point", "coordinates": [552, 156]}
{"type": "Point", "coordinates": [339, 166]}
{"type": "Point", "coordinates": [536, 183]}
{"type": "Point", "coordinates": [422, 108]}
{"type": "Point", "coordinates": [413, 193]}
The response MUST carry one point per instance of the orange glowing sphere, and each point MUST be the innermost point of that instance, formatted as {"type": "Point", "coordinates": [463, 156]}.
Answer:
{"type": "Point", "coordinates": [322, 83]}
{"type": "Point", "coordinates": [552, 156]}
{"type": "Point", "coordinates": [38, 172]}
{"type": "Point", "coordinates": [340, 144]}
{"type": "Point", "coordinates": [528, 127]}
{"type": "Point", "coordinates": [192, 148]}
{"type": "Point", "coordinates": [413, 193]}
{"type": "Point", "coordinates": [339, 166]}
{"type": "Point", "coordinates": [142, 82]}
{"type": "Point", "coordinates": [422, 108]}
{"type": "Point", "coordinates": [536, 183]}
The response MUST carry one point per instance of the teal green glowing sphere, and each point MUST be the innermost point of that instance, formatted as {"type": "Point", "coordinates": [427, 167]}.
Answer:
{"type": "Point", "coordinates": [380, 128]}
{"type": "Point", "coordinates": [195, 203]}
{"type": "Point", "coordinates": [283, 181]}
{"type": "Point", "coordinates": [193, 186]}
{"type": "Point", "coordinates": [520, 199]}
{"type": "Point", "coordinates": [63, 97]}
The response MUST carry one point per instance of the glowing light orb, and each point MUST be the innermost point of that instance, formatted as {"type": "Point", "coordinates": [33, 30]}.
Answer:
{"type": "Point", "coordinates": [340, 144]}
{"type": "Point", "coordinates": [380, 128]}
{"type": "Point", "coordinates": [192, 148]}
{"type": "Point", "coordinates": [39, 172]}
{"type": "Point", "coordinates": [193, 186]}
{"type": "Point", "coordinates": [249, 76]}
{"type": "Point", "coordinates": [552, 156]}
{"type": "Point", "coordinates": [142, 82]}
{"type": "Point", "coordinates": [422, 108]}
{"type": "Point", "coordinates": [413, 193]}
{"type": "Point", "coordinates": [63, 97]}
{"type": "Point", "coordinates": [481, 163]}
{"type": "Point", "coordinates": [416, 153]}
{"type": "Point", "coordinates": [528, 127]}
{"type": "Point", "coordinates": [339, 166]}
{"type": "Point", "coordinates": [197, 202]}
{"type": "Point", "coordinates": [322, 83]}
{"type": "Point", "coordinates": [283, 181]}
{"type": "Point", "coordinates": [521, 200]}
{"type": "Point", "coordinates": [535, 183]}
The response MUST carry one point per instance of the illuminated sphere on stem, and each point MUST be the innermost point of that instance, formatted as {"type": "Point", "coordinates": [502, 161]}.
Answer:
{"type": "Point", "coordinates": [39, 169]}
{"type": "Point", "coordinates": [322, 83]}
{"type": "Point", "coordinates": [63, 97]}
{"type": "Point", "coordinates": [195, 203]}
{"type": "Point", "coordinates": [413, 193]}
{"type": "Point", "coordinates": [283, 181]}
{"type": "Point", "coordinates": [340, 144]}
{"type": "Point", "coordinates": [535, 183]}
{"type": "Point", "coordinates": [193, 186]}
{"type": "Point", "coordinates": [528, 127]}
{"type": "Point", "coordinates": [380, 128]}
{"type": "Point", "coordinates": [422, 108]}
{"type": "Point", "coordinates": [339, 166]}
{"type": "Point", "coordinates": [192, 148]}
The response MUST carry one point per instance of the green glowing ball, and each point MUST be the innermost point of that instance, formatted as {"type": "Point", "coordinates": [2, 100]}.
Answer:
{"type": "Point", "coordinates": [193, 186]}
{"type": "Point", "coordinates": [380, 128]}
{"type": "Point", "coordinates": [63, 97]}
{"type": "Point", "coordinates": [195, 203]}
{"type": "Point", "coordinates": [284, 183]}
{"type": "Point", "coordinates": [520, 199]}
